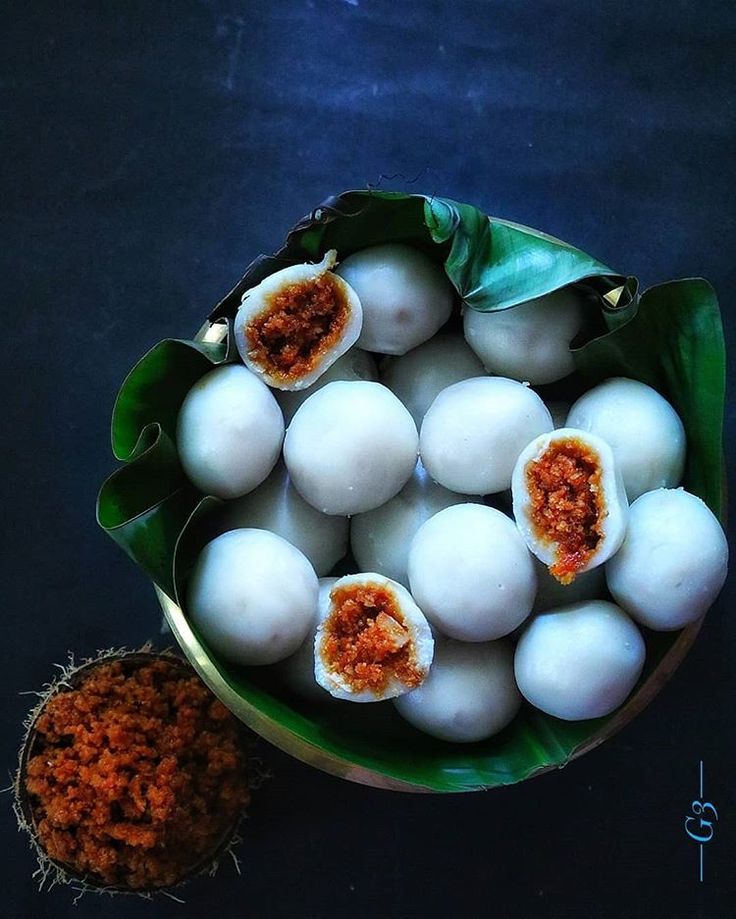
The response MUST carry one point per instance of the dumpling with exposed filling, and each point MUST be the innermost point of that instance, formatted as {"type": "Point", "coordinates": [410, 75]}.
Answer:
{"type": "Point", "coordinates": [297, 322]}
{"type": "Point", "coordinates": [569, 501]}
{"type": "Point", "coordinates": [372, 642]}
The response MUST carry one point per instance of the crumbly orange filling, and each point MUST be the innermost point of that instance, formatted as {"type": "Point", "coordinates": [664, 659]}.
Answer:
{"type": "Point", "coordinates": [366, 639]}
{"type": "Point", "coordinates": [566, 504]}
{"type": "Point", "coordinates": [135, 774]}
{"type": "Point", "coordinates": [302, 321]}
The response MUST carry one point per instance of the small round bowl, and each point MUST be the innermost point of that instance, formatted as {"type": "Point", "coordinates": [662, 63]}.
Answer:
{"type": "Point", "coordinates": [61, 872]}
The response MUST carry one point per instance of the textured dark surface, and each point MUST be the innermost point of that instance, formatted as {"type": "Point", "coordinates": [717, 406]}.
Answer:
{"type": "Point", "coordinates": [150, 151]}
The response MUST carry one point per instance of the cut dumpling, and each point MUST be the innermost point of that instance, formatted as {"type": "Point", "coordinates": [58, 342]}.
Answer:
{"type": "Point", "coordinates": [529, 342]}
{"type": "Point", "coordinates": [372, 641]}
{"type": "Point", "coordinates": [569, 501]}
{"type": "Point", "coordinates": [297, 322]}
{"type": "Point", "coordinates": [673, 561]}
{"type": "Point", "coordinates": [642, 429]}
{"type": "Point", "coordinates": [405, 296]}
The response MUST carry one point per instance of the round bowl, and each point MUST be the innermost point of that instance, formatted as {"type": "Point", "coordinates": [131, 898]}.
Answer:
{"type": "Point", "coordinates": [61, 871]}
{"type": "Point", "coordinates": [493, 264]}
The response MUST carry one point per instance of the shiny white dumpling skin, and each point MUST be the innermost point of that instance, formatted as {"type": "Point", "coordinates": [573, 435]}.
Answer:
{"type": "Point", "coordinates": [229, 432]}
{"type": "Point", "coordinates": [475, 430]}
{"type": "Point", "coordinates": [380, 538]}
{"type": "Point", "coordinates": [414, 622]}
{"type": "Point", "coordinates": [529, 342]}
{"type": "Point", "coordinates": [297, 670]}
{"type": "Point", "coordinates": [419, 376]}
{"type": "Point", "coordinates": [277, 506]}
{"type": "Point", "coordinates": [471, 573]}
{"type": "Point", "coordinates": [579, 661]}
{"type": "Point", "coordinates": [253, 596]}
{"type": "Point", "coordinates": [590, 585]}
{"type": "Point", "coordinates": [616, 511]}
{"type": "Point", "coordinates": [257, 301]}
{"type": "Point", "coordinates": [641, 427]}
{"type": "Point", "coordinates": [351, 447]}
{"type": "Point", "coordinates": [355, 364]}
{"type": "Point", "coordinates": [405, 296]}
{"type": "Point", "coordinates": [673, 561]}
{"type": "Point", "coordinates": [469, 694]}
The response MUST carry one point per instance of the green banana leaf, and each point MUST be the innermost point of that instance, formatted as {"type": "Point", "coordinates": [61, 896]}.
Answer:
{"type": "Point", "coordinates": [670, 337]}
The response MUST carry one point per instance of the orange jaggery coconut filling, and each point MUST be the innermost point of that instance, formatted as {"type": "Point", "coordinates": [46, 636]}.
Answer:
{"type": "Point", "coordinates": [567, 506]}
{"type": "Point", "coordinates": [135, 774]}
{"type": "Point", "coordinates": [366, 640]}
{"type": "Point", "coordinates": [301, 322]}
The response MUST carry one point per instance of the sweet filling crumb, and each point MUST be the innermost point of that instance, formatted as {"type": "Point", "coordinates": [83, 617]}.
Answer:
{"type": "Point", "coordinates": [367, 641]}
{"type": "Point", "coordinates": [566, 504]}
{"type": "Point", "coordinates": [135, 774]}
{"type": "Point", "coordinates": [301, 322]}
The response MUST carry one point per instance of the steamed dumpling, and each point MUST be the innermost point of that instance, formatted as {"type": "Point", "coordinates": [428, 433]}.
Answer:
{"type": "Point", "coordinates": [475, 430]}
{"type": "Point", "coordinates": [252, 596]}
{"type": "Point", "coordinates": [529, 342]}
{"type": "Point", "coordinates": [471, 573]}
{"type": "Point", "coordinates": [421, 374]}
{"type": "Point", "coordinates": [405, 296]}
{"type": "Point", "coordinates": [229, 432]}
{"type": "Point", "coordinates": [641, 427]}
{"type": "Point", "coordinates": [351, 447]}
{"type": "Point", "coordinates": [579, 661]}
{"type": "Point", "coordinates": [673, 561]}
{"type": "Point", "coordinates": [372, 642]}
{"type": "Point", "coordinates": [469, 695]}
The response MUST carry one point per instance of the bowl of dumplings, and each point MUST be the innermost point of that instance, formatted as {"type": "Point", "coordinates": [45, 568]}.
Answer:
{"type": "Point", "coordinates": [433, 501]}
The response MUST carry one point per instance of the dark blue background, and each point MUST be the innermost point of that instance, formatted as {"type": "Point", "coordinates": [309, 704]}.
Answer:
{"type": "Point", "coordinates": [151, 150]}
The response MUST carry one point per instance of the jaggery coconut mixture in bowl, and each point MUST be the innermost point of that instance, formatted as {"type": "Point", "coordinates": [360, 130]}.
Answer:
{"type": "Point", "coordinates": [132, 777]}
{"type": "Point", "coordinates": [432, 501]}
